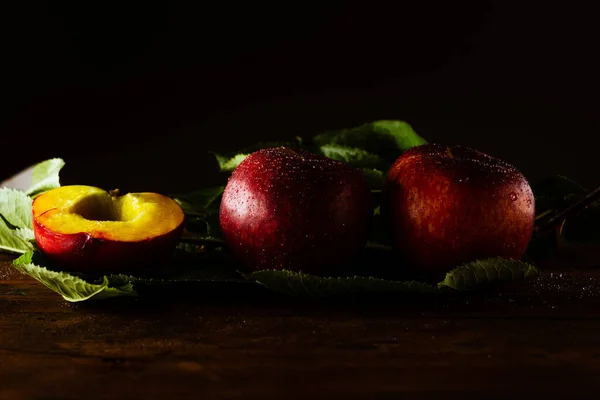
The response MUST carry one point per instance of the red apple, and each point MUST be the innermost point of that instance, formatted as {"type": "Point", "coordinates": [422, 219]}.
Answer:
{"type": "Point", "coordinates": [446, 205]}
{"type": "Point", "coordinates": [86, 228]}
{"type": "Point", "coordinates": [290, 209]}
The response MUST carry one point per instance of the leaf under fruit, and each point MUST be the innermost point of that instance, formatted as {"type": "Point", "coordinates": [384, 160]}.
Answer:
{"type": "Point", "coordinates": [25, 234]}
{"type": "Point", "coordinates": [70, 287]}
{"type": "Point", "coordinates": [16, 234]}
{"type": "Point", "coordinates": [482, 273]}
{"type": "Point", "coordinates": [311, 286]}
{"type": "Point", "coordinates": [13, 240]}
{"type": "Point", "coordinates": [193, 269]}
{"type": "Point", "coordinates": [467, 277]}
{"type": "Point", "coordinates": [15, 207]}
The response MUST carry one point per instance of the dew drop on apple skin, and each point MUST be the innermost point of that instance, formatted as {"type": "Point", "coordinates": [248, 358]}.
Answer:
{"type": "Point", "coordinates": [513, 196]}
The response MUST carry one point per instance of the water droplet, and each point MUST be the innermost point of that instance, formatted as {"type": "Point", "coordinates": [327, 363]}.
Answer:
{"type": "Point", "coordinates": [514, 196]}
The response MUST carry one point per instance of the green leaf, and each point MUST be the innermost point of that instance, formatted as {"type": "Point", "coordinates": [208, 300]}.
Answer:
{"type": "Point", "coordinates": [201, 208]}
{"type": "Point", "coordinates": [229, 162]}
{"type": "Point", "coordinates": [70, 287]}
{"type": "Point", "coordinates": [25, 234]}
{"type": "Point", "coordinates": [193, 269]}
{"type": "Point", "coordinates": [354, 156]}
{"type": "Point", "coordinates": [16, 234]}
{"type": "Point", "coordinates": [483, 273]}
{"type": "Point", "coordinates": [385, 138]}
{"type": "Point", "coordinates": [15, 207]}
{"type": "Point", "coordinates": [45, 176]}
{"type": "Point", "coordinates": [554, 194]}
{"type": "Point", "coordinates": [306, 285]}
{"type": "Point", "coordinates": [471, 276]}
{"type": "Point", "coordinates": [201, 202]}
{"type": "Point", "coordinates": [374, 177]}
{"type": "Point", "coordinates": [13, 240]}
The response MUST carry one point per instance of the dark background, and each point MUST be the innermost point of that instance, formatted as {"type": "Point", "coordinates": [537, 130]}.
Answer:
{"type": "Point", "coordinates": [135, 94]}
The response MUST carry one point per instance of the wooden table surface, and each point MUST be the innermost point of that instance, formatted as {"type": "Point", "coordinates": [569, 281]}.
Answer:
{"type": "Point", "coordinates": [541, 337]}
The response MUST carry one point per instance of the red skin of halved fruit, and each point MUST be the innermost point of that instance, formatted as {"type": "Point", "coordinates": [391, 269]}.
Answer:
{"type": "Point", "coordinates": [86, 252]}
{"type": "Point", "coordinates": [290, 209]}
{"type": "Point", "coordinates": [447, 205]}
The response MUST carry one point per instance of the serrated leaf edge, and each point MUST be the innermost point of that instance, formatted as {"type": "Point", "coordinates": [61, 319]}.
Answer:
{"type": "Point", "coordinates": [453, 277]}
{"type": "Point", "coordinates": [344, 280]}
{"type": "Point", "coordinates": [25, 268]}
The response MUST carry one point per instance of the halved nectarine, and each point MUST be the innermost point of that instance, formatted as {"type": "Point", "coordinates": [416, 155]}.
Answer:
{"type": "Point", "coordinates": [87, 228]}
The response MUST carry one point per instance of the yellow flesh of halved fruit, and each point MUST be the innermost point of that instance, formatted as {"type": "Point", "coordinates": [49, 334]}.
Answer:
{"type": "Point", "coordinates": [131, 217]}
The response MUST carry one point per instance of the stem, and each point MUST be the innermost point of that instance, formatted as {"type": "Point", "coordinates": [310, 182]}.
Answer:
{"type": "Point", "coordinates": [569, 212]}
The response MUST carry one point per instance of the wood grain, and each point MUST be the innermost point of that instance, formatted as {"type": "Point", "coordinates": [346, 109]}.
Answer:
{"type": "Point", "coordinates": [540, 336]}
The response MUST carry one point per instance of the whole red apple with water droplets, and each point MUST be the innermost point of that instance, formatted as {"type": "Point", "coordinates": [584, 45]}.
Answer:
{"type": "Point", "coordinates": [447, 205]}
{"type": "Point", "coordinates": [286, 208]}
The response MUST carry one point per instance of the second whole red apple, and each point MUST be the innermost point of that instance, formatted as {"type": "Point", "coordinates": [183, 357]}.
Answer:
{"type": "Point", "coordinates": [448, 205]}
